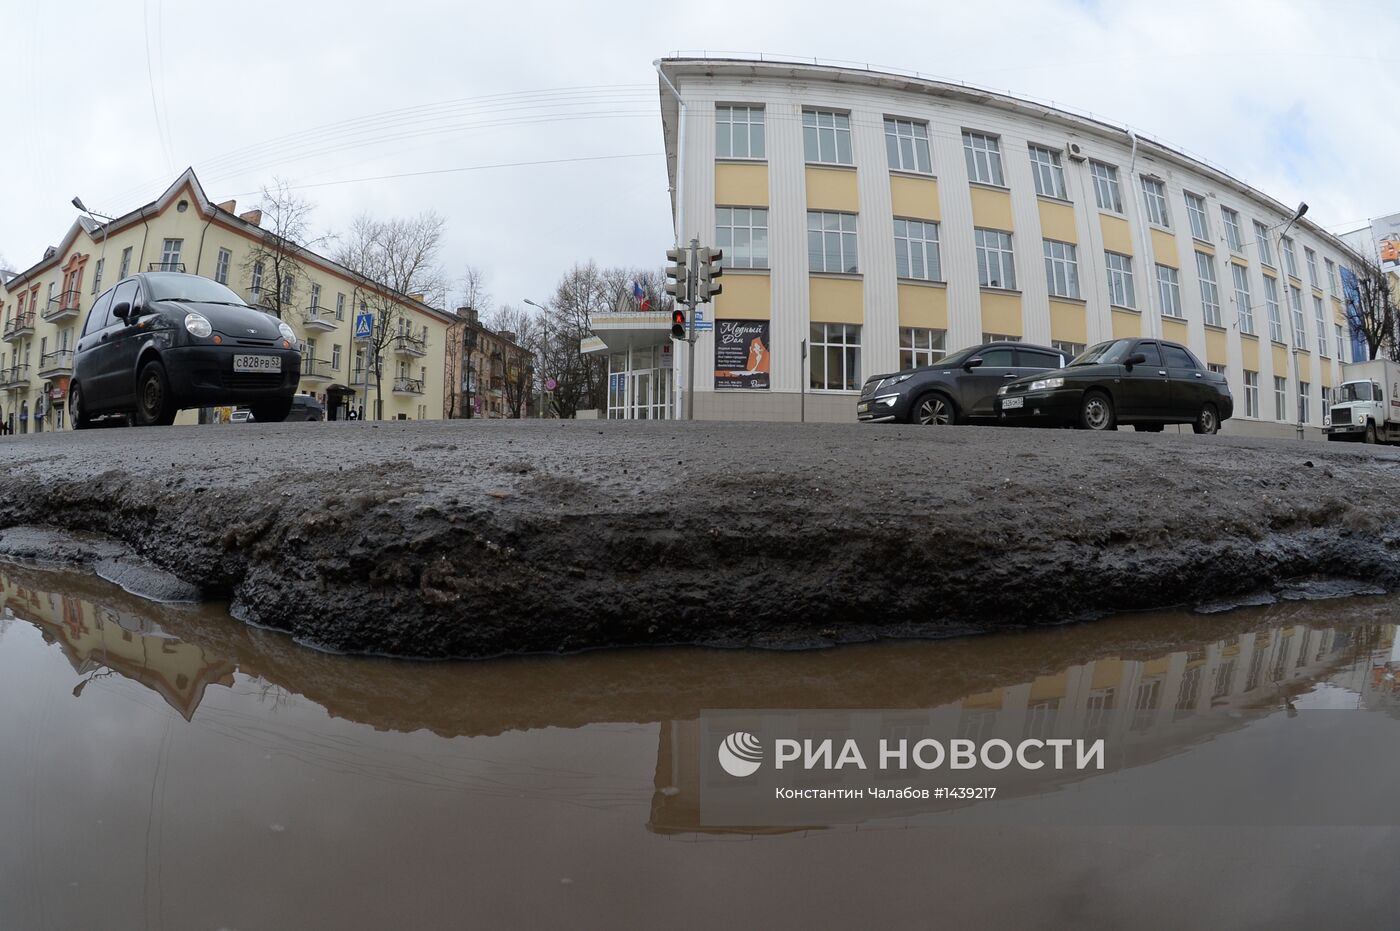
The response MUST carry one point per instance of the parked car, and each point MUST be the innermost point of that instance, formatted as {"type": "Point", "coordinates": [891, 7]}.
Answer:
{"type": "Point", "coordinates": [306, 407]}
{"type": "Point", "coordinates": [240, 415]}
{"type": "Point", "coordinates": [1147, 383]}
{"type": "Point", "coordinates": [159, 342]}
{"type": "Point", "coordinates": [958, 388]}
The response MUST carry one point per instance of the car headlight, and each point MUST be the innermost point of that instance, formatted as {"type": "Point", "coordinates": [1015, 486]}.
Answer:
{"type": "Point", "coordinates": [1002, 390]}
{"type": "Point", "coordinates": [287, 332]}
{"type": "Point", "coordinates": [198, 324]}
{"type": "Point", "coordinates": [1044, 384]}
{"type": "Point", "coordinates": [905, 377]}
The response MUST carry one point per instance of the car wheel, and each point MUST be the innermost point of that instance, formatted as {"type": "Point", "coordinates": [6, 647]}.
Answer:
{"type": "Point", "coordinates": [1207, 421]}
{"type": "Point", "coordinates": [934, 409]}
{"type": "Point", "coordinates": [1370, 433]}
{"type": "Point", "coordinates": [77, 409]}
{"type": "Point", "coordinates": [155, 402]}
{"type": "Point", "coordinates": [274, 411]}
{"type": "Point", "coordinates": [1096, 412]}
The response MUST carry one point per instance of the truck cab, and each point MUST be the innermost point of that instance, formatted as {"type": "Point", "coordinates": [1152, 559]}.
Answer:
{"type": "Point", "coordinates": [1359, 413]}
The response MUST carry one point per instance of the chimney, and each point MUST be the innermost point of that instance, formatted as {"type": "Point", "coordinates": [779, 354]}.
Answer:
{"type": "Point", "coordinates": [468, 314]}
{"type": "Point", "coordinates": [508, 336]}
{"type": "Point", "coordinates": [418, 297]}
{"type": "Point", "coordinates": [229, 206]}
{"type": "Point", "coordinates": [252, 216]}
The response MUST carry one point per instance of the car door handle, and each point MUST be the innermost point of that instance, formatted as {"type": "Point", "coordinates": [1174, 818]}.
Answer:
{"type": "Point", "coordinates": [1198, 374]}
{"type": "Point", "coordinates": [104, 337]}
{"type": "Point", "coordinates": [1160, 372]}
{"type": "Point", "coordinates": [1009, 375]}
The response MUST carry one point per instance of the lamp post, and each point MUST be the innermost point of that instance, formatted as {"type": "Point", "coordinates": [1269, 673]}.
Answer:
{"type": "Point", "coordinates": [1297, 375]}
{"type": "Point", "coordinates": [106, 227]}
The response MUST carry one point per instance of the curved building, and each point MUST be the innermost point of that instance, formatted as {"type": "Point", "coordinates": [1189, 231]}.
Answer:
{"type": "Point", "coordinates": [887, 220]}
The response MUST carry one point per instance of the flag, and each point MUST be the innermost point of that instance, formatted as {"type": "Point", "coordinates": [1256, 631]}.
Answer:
{"type": "Point", "coordinates": [643, 302]}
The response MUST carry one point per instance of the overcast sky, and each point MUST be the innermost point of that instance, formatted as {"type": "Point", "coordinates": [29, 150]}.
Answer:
{"type": "Point", "coordinates": [111, 100]}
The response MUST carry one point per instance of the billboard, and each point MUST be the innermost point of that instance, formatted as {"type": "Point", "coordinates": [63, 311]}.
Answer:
{"type": "Point", "coordinates": [741, 354]}
{"type": "Point", "coordinates": [1387, 233]}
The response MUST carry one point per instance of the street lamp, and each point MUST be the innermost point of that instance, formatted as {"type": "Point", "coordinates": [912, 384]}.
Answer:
{"type": "Point", "coordinates": [1297, 375]}
{"type": "Point", "coordinates": [106, 227]}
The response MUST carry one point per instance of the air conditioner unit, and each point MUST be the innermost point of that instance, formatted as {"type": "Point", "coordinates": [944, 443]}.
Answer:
{"type": "Point", "coordinates": [1076, 153]}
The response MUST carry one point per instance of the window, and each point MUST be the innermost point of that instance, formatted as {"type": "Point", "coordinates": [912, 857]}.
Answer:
{"type": "Point", "coordinates": [983, 158]}
{"type": "Point", "coordinates": [739, 132]}
{"type": "Point", "coordinates": [97, 275]}
{"type": "Point", "coordinates": [170, 255]}
{"type": "Point", "coordinates": [920, 346]}
{"type": "Point", "coordinates": [831, 242]}
{"type": "Point", "coordinates": [1106, 192]}
{"type": "Point", "coordinates": [221, 266]}
{"type": "Point", "coordinates": [906, 144]}
{"type": "Point", "coordinates": [335, 358]}
{"type": "Point", "coordinates": [1304, 388]}
{"type": "Point", "coordinates": [1120, 279]}
{"type": "Point", "coordinates": [315, 298]}
{"type": "Point", "coordinates": [1331, 276]}
{"type": "Point", "coordinates": [1196, 214]}
{"type": "Point", "coordinates": [1000, 338]}
{"type": "Point", "coordinates": [1261, 238]}
{"type": "Point", "coordinates": [1321, 317]}
{"type": "Point", "coordinates": [1300, 333]}
{"type": "Point", "coordinates": [1242, 306]}
{"type": "Point", "coordinates": [1210, 292]}
{"type": "Point", "coordinates": [1280, 399]}
{"type": "Point", "coordinates": [1169, 288]}
{"type": "Point", "coordinates": [288, 282]}
{"type": "Point", "coordinates": [826, 137]}
{"type": "Point", "coordinates": [1251, 393]}
{"type": "Point", "coordinates": [1233, 238]}
{"type": "Point", "coordinates": [916, 250]}
{"type": "Point", "coordinates": [1061, 269]}
{"type": "Point", "coordinates": [1290, 259]}
{"type": "Point", "coordinates": [1069, 349]}
{"type": "Point", "coordinates": [835, 357]}
{"type": "Point", "coordinates": [1178, 358]}
{"type": "Point", "coordinates": [1049, 175]}
{"type": "Point", "coordinates": [126, 263]}
{"type": "Point", "coordinates": [1271, 303]}
{"type": "Point", "coordinates": [1217, 369]}
{"type": "Point", "coordinates": [340, 307]}
{"type": "Point", "coordinates": [742, 232]}
{"type": "Point", "coordinates": [1341, 346]}
{"type": "Point", "coordinates": [257, 278]}
{"type": "Point", "coordinates": [1154, 201]}
{"type": "Point", "coordinates": [996, 267]}
{"type": "Point", "coordinates": [1310, 257]}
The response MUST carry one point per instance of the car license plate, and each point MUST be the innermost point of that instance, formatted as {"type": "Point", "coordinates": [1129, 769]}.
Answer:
{"type": "Point", "coordinates": [862, 407]}
{"type": "Point", "coordinates": [1008, 404]}
{"type": "Point", "coordinates": [257, 363]}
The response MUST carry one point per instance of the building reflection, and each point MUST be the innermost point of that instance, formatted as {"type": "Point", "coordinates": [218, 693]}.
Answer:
{"type": "Point", "coordinates": [99, 640]}
{"type": "Point", "coordinates": [1145, 710]}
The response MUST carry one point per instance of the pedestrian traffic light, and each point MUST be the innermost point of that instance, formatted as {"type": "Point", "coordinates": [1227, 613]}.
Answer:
{"type": "Point", "coordinates": [677, 324]}
{"type": "Point", "coordinates": [676, 276]}
{"type": "Point", "coordinates": [706, 286]}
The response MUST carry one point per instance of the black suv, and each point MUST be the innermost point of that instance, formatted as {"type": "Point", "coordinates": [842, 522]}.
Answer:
{"type": "Point", "coordinates": [159, 342]}
{"type": "Point", "coordinates": [959, 388]}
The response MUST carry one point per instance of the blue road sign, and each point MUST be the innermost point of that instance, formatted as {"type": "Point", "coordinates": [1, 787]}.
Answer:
{"type": "Point", "coordinates": [701, 324]}
{"type": "Point", "coordinates": [364, 326]}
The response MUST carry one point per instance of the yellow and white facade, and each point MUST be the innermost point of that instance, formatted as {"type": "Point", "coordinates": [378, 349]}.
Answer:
{"type": "Point", "coordinates": [901, 218]}
{"type": "Point", "coordinates": [42, 310]}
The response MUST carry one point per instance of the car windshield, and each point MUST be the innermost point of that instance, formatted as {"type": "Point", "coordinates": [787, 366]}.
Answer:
{"type": "Point", "coordinates": [1108, 351]}
{"type": "Point", "coordinates": [172, 286]}
{"type": "Point", "coordinates": [1356, 391]}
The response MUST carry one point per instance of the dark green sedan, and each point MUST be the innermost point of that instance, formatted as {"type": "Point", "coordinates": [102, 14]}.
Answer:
{"type": "Point", "coordinates": [1144, 383]}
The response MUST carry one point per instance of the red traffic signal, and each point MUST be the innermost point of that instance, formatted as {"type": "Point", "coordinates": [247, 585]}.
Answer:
{"type": "Point", "coordinates": [678, 324]}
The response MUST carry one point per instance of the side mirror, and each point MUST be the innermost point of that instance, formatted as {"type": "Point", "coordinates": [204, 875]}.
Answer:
{"type": "Point", "coordinates": [972, 363]}
{"type": "Point", "coordinates": [1136, 358]}
{"type": "Point", "coordinates": [122, 310]}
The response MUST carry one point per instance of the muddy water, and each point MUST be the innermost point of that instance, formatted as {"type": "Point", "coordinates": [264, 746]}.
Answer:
{"type": "Point", "coordinates": [168, 767]}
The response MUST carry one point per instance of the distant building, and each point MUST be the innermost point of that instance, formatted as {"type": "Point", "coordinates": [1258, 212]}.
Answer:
{"type": "Point", "coordinates": [493, 375]}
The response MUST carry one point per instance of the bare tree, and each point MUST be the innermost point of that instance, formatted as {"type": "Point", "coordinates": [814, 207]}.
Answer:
{"type": "Point", "coordinates": [1371, 308]}
{"type": "Point", "coordinates": [395, 260]}
{"type": "Point", "coordinates": [275, 264]}
{"type": "Point", "coordinates": [473, 289]}
{"type": "Point", "coordinates": [521, 328]}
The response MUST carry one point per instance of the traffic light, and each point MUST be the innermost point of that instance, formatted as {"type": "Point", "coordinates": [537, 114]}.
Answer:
{"type": "Point", "coordinates": [676, 276]}
{"type": "Point", "coordinates": [710, 268]}
{"type": "Point", "coordinates": [677, 324]}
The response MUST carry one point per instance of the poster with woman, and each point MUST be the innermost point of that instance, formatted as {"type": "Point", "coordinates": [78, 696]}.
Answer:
{"type": "Point", "coordinates": [742, 358]}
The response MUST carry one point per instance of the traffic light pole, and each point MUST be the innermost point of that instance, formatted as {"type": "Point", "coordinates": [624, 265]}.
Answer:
{"type": "Point", "coordinates": [691, 275]}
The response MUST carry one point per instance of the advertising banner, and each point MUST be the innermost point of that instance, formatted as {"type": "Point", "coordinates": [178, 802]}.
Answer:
{"type": "Point", "coordinates": [741, 354]}
{"type": "Point", "coordinates": [1387, 233]}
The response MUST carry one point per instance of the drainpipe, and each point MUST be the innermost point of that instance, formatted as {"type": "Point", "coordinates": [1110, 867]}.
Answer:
{"type": "Point", "coordinates": [678, 192]}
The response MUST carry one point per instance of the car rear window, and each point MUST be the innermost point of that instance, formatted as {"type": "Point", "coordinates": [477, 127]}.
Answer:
{"type": "Point", "coordinates": [1036, 359]}
{"type": "Point", "coordinates": [1178, 358]}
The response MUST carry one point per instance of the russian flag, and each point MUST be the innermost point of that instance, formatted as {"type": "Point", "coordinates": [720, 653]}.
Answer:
{"type": "Point", "coordinates": [643, 302]}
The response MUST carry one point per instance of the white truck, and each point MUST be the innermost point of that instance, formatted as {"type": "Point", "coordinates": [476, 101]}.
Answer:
{"type": "Point", "coordinates": [1367, 405]}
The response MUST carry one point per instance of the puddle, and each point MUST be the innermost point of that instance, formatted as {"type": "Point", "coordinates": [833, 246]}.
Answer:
{"type": "Point", "coordinates": [167, 766]}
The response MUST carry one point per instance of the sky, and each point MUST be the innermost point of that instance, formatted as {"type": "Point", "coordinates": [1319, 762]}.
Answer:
{"type": "Point", "coordinates": [111, 100]}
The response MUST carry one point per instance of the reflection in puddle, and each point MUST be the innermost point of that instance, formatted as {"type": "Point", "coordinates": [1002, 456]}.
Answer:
{"type": "Point", "coordinates": [494, 782]}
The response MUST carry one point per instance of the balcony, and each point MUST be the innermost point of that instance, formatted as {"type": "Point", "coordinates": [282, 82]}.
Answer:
{"type": "Point", "coordinates": [65, 306]}
{"type": "Point", "coordinates": [56, 363]}
{"type": "Point", "coordinates": [16, 376]}
{"type": "Point", "coordinates": [315, 369]}
{"type": "Point", "coordinates": [22, 325]}
{"type": "Point", "coordinates": [408, 386]}
{"type": "Point", "coordinates": [415, 347]}
{"type": "Point", "coordinates": [318, 318]}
